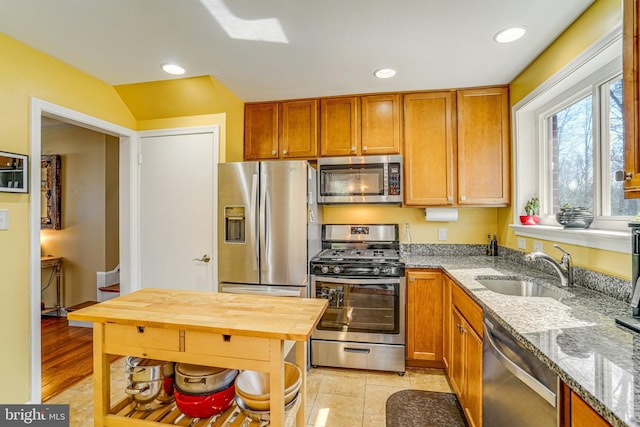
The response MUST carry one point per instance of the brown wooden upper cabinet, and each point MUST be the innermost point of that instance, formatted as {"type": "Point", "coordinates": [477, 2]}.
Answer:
{"type": "Point", "coordinates": [339, 126]}
{"type": "Point", "coordinates": [360, 125]}
{"type": "Point", "coordinates": [483, 146]}
{"type": "Point", "coordinates": [281, 130]}
{"type": "Point", "coordinates": [456, 146]}
{"type": "Point", "coordinates": [380, 125]}
{"type": "Point", "coordinates": [429, 148]}
{"type": "Point", "coordinates": [631, 98]}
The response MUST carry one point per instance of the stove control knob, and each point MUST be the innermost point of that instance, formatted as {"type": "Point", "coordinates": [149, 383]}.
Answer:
{"type": "Point", "coordinates": [336, 269]}
{"type": "Point", "coordinates": [388, 270]}
{"type": "Point", "coordinates": [376, 270]}
{"type": "Point", "coordinates": [324, 269]}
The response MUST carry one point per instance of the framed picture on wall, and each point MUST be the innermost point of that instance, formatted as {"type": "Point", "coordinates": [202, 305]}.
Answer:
{"type": "Point", "coordinates": [51, 192]}
{"type": "Point", "coordinates": [14, 172]}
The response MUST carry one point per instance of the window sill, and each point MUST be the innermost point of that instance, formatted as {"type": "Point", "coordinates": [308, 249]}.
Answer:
{"type": "Point", "coordinates": [610, 240]}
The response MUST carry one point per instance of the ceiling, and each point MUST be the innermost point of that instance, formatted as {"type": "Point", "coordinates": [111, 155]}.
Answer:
{"type": "Point", "coordinates": [284, 49]}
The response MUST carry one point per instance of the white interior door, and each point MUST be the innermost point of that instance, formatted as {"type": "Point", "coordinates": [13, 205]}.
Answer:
{"type": "Point", "coordinates": [178, 185]}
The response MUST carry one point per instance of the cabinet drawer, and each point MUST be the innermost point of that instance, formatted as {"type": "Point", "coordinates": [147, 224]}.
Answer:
{"type": "Point", "coordinates": [226, 345]}
{"type": "Point", "coordinates": [468, 308]}
{"type": "Point", "coordinates": [142, 337]}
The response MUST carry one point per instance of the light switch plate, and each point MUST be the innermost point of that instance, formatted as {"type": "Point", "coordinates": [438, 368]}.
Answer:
{"type": "Point", "coordinates": [442, 233]}
{"type": "Point", "coordinates": [4, 219]}
{"type": "Point", "coordinates": [538, 246]}
{"type": "Point", "coordinates": [522, 243]}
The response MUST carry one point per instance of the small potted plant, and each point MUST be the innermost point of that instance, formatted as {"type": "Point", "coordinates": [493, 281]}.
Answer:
{"type": "Point", "coordinates": [531, 208]}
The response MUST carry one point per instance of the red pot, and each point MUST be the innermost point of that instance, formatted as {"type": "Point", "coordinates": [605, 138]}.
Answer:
{"type": "Point", "coordinates": [204, 405]}
{"type": "Point", "coordinates": [529, 219]}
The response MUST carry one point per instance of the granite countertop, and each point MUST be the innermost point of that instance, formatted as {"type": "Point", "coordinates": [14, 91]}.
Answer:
{"type": "Point", "coordinates": [576, 335]}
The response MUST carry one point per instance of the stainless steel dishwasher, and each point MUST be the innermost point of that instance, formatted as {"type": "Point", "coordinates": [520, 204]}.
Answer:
{"type": "Point", "coordinates": [517, 388]}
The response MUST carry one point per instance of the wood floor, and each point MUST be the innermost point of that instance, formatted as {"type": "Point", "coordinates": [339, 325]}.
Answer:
{"type": "Point", "coordinates": [67, 355]}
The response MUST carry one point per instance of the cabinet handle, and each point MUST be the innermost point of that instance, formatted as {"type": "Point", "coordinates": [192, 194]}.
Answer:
{"type": "Point", "coordinates": [274, 152]}
{"type": "Point", "coordinates": [284, 152]}
{"type": "Point", "coordinates": [450, 199]}
{"type": "Point", "coordinates": [365, 148]}
{"type": "Point", "coordinates": [353, 148]}
{"type": "Point", "coordinates": [412, 279]}
{"type": "Point", "coordinates": [623, 176]}
{"type": "Point", "coordinates": [463, 198]}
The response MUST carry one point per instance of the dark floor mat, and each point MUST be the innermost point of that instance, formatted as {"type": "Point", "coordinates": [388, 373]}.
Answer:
{"type": "Point", "coordinates": [418, 408]}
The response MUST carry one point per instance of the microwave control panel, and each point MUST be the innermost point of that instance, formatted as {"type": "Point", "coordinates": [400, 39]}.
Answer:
{"type": "Point", "coordinates": [394, 179]}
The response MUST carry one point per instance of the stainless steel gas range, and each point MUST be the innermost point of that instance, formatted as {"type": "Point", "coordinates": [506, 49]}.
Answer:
{"type": "Point", "coordinates": [360, 273]}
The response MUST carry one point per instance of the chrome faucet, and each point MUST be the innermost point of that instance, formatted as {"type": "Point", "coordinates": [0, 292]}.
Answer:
{"type": "Point", "coordinates": [564, 267]}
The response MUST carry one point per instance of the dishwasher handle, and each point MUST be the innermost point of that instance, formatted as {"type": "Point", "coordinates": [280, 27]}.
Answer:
{"type": "Point", "coordinates": [535, 385]}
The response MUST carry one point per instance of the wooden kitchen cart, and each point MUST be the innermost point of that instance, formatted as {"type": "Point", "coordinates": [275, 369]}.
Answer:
{"type": "Point", "coordinates": [226, 330]}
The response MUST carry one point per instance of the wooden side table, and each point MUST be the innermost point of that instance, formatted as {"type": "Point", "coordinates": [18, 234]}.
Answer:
{"type": "Point", "coordinates": [54, 262]}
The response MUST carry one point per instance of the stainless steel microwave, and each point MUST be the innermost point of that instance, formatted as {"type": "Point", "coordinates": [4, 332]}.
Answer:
{"type": "Point", "coordinates": [363, 179]}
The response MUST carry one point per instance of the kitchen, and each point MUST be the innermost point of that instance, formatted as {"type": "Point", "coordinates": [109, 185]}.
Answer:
{"type": "Point", "coordinates": [472, 225]}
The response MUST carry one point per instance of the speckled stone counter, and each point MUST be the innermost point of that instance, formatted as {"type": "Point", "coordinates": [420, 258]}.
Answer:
{"type": "Point", "coordinates": [576, 336]}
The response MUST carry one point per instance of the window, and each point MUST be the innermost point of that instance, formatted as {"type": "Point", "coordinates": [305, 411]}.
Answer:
{"type": "Point", "coordinates": [568, 146]}
{"type": "Point", "coordinates": [582, 146]}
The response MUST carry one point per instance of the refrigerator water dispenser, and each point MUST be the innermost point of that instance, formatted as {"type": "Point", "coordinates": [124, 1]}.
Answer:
{"type": "Point", "coordinates": [234, 224]}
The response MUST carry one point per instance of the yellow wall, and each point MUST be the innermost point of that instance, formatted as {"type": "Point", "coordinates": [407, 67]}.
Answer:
{"type": "Point", "coordinates": [594, 23]}
{"type": "Point", "coordinates": [197, 101]}
{"type": "Point", "coordinates": [471, 228]}
{"type": "Point", "coordinates": [26, 72]}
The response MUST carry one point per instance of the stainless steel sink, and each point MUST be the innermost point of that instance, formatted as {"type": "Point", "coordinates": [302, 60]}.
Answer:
{"type": "Point", "coordinates": [521, 288]}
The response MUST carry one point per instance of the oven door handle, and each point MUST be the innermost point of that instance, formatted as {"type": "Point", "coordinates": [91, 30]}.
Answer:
{"type": "Point", "coordinates": [357, 350]}
{"type": "Point", "coordinates": [333, 279]}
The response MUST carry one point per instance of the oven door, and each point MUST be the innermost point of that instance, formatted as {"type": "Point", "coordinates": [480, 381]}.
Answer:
{"type": "Point", "coordinates": [361, 309]}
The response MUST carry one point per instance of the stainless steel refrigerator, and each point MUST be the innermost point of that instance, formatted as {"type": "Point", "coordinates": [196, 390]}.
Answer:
{"type": "Point", "coordinates": [268, 227]}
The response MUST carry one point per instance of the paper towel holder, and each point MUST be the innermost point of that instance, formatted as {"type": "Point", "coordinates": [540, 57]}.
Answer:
{"type": "Point", "coordinates": [441, 214]}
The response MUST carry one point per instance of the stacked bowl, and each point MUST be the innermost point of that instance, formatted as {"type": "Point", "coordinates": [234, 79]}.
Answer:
{"type": "Point", "coordinates": [203, 391]}
{"type": "Point", "coordinates": [253, 392]}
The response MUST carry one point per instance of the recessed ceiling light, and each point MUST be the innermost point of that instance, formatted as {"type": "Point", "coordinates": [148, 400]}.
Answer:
{"type": "Point", "coordinates": [173, 69]}
{"type": "Point", "coordinates": [509, 35]}
{"type": "Point", "coordinates": [384, 73]}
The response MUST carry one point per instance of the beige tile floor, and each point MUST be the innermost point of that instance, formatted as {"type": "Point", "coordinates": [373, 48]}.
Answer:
{"type": "Point", "coordinates": [335, 397]}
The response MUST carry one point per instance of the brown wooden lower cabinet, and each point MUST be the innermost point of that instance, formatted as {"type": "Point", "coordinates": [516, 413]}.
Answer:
{"type": "Point", "coordinates": [575, 412]}
{"type": "Point", "coordinates": [425, 318]}
{"type": "Point", "coordinates": [465, 366]}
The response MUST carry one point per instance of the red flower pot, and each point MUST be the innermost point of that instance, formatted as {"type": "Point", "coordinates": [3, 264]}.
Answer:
{"type": "Point", "coordinates": [529, 219]}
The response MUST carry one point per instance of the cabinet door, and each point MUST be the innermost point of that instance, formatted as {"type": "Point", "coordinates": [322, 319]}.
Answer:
{"type": "Point", "coordinates": [483, 146]}
{"type": "Point", "coordinates": [583, 415]}
{"type": "Point", "coordinates": [631, 98]}
{"type": "Point", "coordinates": [261, 131]}
{"type": "Point", "coordinates": [380, 124]}
{"type": "Point", "coordinates": [473, 396]}
{"type": "Point", "coordinates": [299, 129]}
{"type": "Point", "coordinates": [457, 364]}
{"type": "Point", "coordinates": [424, 315]}
{"type": "Point", "coordinates": [339, 126]}
{"type": "Point", "coordinates": [446, 349]}
{"type": "Point", "coordinates": [429, 148]}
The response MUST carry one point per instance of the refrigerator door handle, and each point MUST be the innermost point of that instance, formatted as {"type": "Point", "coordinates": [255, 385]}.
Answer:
{"type": "Point", "coordinates": [263, 223]}
{"type": "Point", "coordinates": [252, 220]}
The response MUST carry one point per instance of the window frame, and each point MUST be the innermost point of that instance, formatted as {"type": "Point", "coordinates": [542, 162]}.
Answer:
{"type": "Point", "coordinates": [612, 234]}
{"type": "Point", "coordinates": [594, 85]}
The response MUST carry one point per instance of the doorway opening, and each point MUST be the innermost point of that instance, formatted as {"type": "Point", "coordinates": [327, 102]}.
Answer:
{"type": "Point", "coordinates": [73, 135]}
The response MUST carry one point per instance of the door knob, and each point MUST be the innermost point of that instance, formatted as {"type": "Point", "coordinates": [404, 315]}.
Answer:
{"type": "Point", "coordinates": [205, 258]}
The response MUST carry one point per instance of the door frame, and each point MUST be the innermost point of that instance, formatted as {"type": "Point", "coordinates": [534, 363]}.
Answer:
{"type": "Point", "coordinates": [128, 213]}
{"type": "Point", "coordinates": [214, 130]}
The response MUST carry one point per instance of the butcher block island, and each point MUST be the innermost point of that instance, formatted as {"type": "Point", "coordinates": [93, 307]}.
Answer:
{"type": "Point", "coordinates": [247, 332]}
